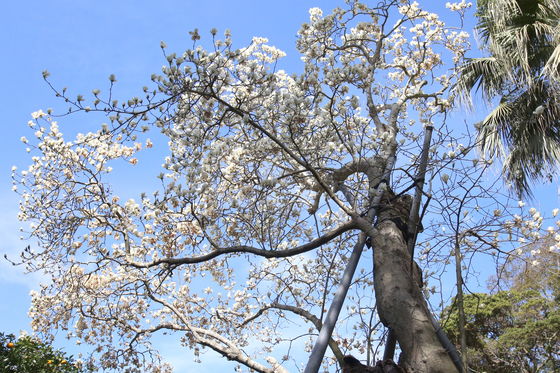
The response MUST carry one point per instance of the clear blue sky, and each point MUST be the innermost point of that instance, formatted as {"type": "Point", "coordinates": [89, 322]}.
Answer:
{"type": "Point", "coordinates": [81, 43]}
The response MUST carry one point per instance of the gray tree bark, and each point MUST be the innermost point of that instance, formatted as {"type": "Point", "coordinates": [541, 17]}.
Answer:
{"type": "Point", "coordinates": [400, 302]}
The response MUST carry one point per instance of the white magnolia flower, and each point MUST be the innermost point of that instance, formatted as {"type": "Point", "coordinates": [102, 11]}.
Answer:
{"type": "Point", "coordinates": [38, 114]}
{"type": "Point", "coordinates": [533, 211]}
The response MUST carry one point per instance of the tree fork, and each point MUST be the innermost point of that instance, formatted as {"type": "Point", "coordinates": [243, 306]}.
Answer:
{"type": "Point", "coordinates": [332, 315]}
{"type": "Point", "coordinates": [414, 222]}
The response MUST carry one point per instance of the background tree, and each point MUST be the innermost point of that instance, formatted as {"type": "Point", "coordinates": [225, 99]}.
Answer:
{"type": "Point", "coordinates": [515, 328]}
{"type": "Point", "coordinates": [252, 189]}
{"type": "Point", "coordinates": [28, 354]}
{"type": "Point", "coordinates": [522, 70]}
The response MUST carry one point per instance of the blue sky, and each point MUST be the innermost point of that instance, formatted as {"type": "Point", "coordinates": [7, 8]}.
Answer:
{"type": "Point", "coordinates": [81, 43]}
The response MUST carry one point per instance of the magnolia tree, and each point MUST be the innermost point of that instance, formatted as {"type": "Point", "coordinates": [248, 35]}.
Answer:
{"type": "Point", "coordinates": [268, 182]}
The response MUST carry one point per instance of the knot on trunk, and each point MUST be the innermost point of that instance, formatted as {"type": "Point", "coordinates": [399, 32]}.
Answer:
{"type": "Point", "coordinates": [397, 209]}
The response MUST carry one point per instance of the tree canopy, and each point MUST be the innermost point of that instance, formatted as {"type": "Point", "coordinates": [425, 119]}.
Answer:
{"type": "Point", "coordinates": [28, 354]}
{"type": "Point", "coordinates": [515, 328]}
{"type": "Point", "coordinates": [271, 184]}
{"type": "Point", "coordinates": [522, 70]}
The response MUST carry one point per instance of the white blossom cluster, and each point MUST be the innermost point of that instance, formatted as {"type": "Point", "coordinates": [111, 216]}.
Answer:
{"type": "Point", "coordinates": [472, 220]}
{"type": "Point", "coordinates": [249, 232]}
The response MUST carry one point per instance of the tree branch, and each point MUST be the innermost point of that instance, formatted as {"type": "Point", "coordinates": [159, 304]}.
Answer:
{"type": "Point", "coordinates": [327, 237]}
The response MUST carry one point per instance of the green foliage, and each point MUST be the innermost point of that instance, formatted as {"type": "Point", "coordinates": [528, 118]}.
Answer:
{"type": "Point", "coordinates": [518, 329]}
{"type": "Point", "coordinates": [522, 70]}
{"type": "Point", "coordinates": [30, 355]}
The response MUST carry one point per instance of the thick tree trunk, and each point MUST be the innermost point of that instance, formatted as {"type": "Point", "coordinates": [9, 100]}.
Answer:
{"type": "Point", "coordinates": [400, 302]}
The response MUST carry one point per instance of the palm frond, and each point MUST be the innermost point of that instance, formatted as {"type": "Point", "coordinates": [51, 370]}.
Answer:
{"type": "Point", "coordinates": [532, 140]}
{"type": "Point", "coordinates": [551, 69]}
{"type": "Point", "coordinates": [494, 133]}
{"type": "Point", "coordinates": [523, 130]}
{"type": "Point", "coordinates": [483, 75]}
{"type": "Point", "coordinates": [525, 165]}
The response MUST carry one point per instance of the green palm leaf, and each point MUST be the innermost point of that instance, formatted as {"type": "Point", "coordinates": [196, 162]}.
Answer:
{"type": "Point", "coordinates": [522, 38]}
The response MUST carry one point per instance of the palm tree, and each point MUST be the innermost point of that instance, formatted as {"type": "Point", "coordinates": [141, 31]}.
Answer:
{"type": "Point", "coordinates": [522, 38]}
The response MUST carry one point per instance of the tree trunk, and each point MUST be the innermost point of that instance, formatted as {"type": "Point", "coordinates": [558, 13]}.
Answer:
{"type": "Point", "coordinates": [400, 302]}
